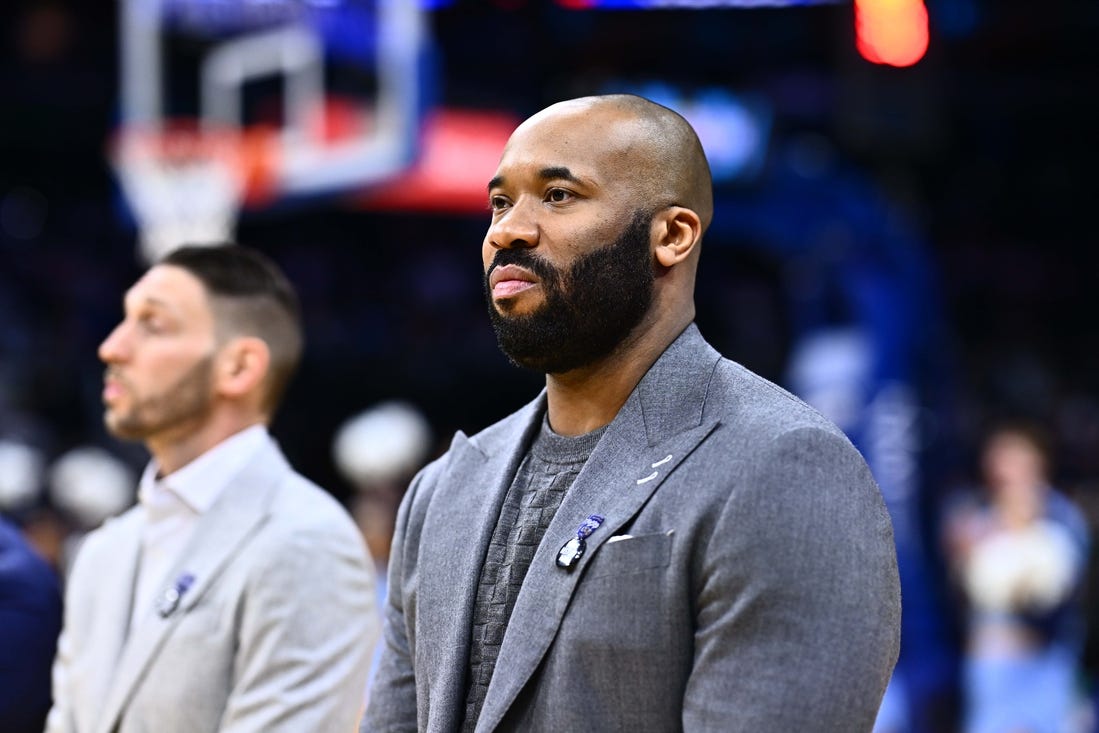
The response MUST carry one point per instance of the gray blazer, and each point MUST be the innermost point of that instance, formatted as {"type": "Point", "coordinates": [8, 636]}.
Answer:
{"type": "Point", "coordinates": [274, 634]}
{"type": "Point", "coordinates": [744, 578]}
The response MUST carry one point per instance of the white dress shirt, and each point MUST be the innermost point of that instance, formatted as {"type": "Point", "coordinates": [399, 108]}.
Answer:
{"type": "Point", "coordinates": [173, 505]}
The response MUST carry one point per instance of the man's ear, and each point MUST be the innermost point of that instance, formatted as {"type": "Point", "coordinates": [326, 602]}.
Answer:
{"type": "Point", "coordinates": [677, 230]}
{"type": "Point", "coordinates": [242, 366]}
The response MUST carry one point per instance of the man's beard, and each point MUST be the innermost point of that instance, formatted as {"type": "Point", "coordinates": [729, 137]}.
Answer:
{"type": "Point", "coordinates": [186, 401]}
{"type": "Point", "coordinates": [588, 309]}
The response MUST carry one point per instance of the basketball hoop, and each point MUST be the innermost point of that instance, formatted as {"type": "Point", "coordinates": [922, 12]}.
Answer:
{"type": "Point", "coordinates": [185, 185]}
{"type": "Point", "coordinates": [252, 142]}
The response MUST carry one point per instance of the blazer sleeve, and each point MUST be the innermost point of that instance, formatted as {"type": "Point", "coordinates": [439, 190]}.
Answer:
{"type": "Point", "coordinates": [60, 717]}
{"type": "Point", "coordinates": [308, 625]}
{"type": "Point", "coordinates": [392, 704]}
{"type": "Point", "coordinates": [798, 613]}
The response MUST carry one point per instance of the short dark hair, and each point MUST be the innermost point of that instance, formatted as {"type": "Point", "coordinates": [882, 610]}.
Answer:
{"type": "Point", "coordinates": [249, 295]}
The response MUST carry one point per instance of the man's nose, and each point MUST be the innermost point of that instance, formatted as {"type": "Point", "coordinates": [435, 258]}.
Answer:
{"type": "Point", "coordinates": [116, 346]}
{"type": "Point", "coordinates": [513, 228]}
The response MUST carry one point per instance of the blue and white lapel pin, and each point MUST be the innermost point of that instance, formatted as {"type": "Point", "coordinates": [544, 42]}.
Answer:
{"type": "Point", "coordinates": [170, 598]}
{"type": "Point", "coordinates": [571, 552]}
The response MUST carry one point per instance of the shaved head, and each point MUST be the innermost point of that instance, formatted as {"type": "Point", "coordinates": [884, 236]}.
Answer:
{"type": "Point", "coordinates": [658, 148]}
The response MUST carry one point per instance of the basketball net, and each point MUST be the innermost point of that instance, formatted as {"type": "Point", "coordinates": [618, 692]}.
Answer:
{"type": "Point", "coordinates": [184, 185]}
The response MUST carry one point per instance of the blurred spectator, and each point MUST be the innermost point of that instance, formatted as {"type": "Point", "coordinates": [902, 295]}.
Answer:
{"type": "Point", "coordinates": [1019, 560]}
{"type": "Point", "coordinates": [378, 451]}
{"type": "Point", "coordinates": [87, 485]}
{"type": "Point", "coordinates": [30, 620]}
{"type": "Point", "coordinates": [20, 475]}
{"type": "Point", "coordinates": [22, 499]}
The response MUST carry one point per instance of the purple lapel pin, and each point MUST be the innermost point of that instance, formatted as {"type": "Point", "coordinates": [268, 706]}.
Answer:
{"type": "Point", "coordinates": [170, 598]}
{"type": "Point", "coordinates": [571, 552]}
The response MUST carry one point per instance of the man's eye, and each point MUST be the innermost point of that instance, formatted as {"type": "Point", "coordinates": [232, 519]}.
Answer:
{"type": "Point", "coordinates": [497, 203]}
{"type": "Point", "coordinates": [150, 324]}
{"type": "Point", "coordinates": [558, 195]}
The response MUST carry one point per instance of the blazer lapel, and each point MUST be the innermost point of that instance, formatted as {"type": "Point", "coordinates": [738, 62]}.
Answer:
{"type": "Point", "coordinates": [661, 424]}
{"type": "Point", "coordinates": [459, 522]}
{"type": "Point", "coordinates": [221, 531]}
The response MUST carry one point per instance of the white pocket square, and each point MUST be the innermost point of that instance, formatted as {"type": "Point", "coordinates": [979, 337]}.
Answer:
{"type": "Point", "coordinates": [619, 538]}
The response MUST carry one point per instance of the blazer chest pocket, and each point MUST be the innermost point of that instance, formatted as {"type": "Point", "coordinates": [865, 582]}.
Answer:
{"type": "Point", "coordinates": [202, 624]}
{"type": "Point", "coordinates": [630, 555]}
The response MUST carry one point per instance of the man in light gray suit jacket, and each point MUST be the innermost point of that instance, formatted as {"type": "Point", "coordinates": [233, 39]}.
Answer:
{"type": "Point", "coordinates": [662, 540]}
{"type": "Point", "coordinates": [236, 596]}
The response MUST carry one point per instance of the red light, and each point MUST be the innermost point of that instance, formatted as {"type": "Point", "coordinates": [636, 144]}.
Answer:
{"type": "Point", "coordinates": [459, 153]}
{"type": "Point", "coordinates": [892, 32]}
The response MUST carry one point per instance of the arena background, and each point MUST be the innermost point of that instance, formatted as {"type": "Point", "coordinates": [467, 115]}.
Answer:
{"type": "Point", "coordinates": [943, 210]}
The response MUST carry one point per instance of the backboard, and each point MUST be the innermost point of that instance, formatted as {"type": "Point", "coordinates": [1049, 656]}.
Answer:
{"type": "Point", "coordinates": [226, 103]}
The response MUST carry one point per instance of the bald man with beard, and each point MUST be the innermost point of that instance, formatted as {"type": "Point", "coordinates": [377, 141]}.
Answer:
{"type": "Point", "coordinates": [661, 540]}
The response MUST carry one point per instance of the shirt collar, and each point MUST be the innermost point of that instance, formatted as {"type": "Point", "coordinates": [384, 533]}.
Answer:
{"type": "Point", "coordinates": [199, 483]}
